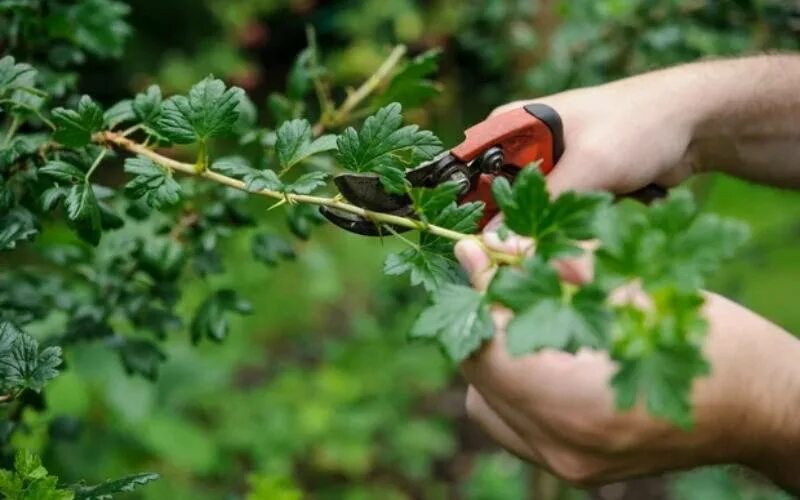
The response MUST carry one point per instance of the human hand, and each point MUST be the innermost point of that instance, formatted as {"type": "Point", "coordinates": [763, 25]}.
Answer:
{"type": "Point", "coordinates": [557, 409]}
{"type": "Point", "coordinates": [737, 116]}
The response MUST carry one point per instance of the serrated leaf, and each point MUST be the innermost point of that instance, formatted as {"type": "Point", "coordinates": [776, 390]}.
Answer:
{"type": "Point", "coordinates": [16, 226]}
{"type": "Point", "coordinates": [659, 353]}
{"type": "Point", "coordinates": [271, 248]}
{"type": "Point", "coordinates": [546, 316]}
{"type": "Point", "coordinates": [84, 212]}
{"type": "Point", "coordinates": [256, 180]}
{"type": "Point", "coordinates": [430, 202]}
{"type": "Point", "coordinates": [555, 225]}
{"type": "Point", "coordinates": [13, 74]}
{"type": "Point", "coordinates": [210, 110]}
{"type": "Point", "coordinates": [432, 264]}
{"type": "Point", "coordinates": [306, 183]}
{"type": "Point", "coordinates": [429, 269]}
{"type": "Point", "coordinates": [293, 143]}
{"type": "Point", "coordinates": [668, 242]}
{"type": "Point", "coordinates": [211, 319]}
{"type": "Point", "coordinates": [152, 183]}
{"type": "Point", "coordinates": [384, 147]}
{"type": "Point", "coordinates": [147, 106]}
{"type": "Point", "coordinates": [107, 489]}
{"type": "Point", "coordinates": [22, 364]}
{"type": "Point", "coordinates": [63, 171]}
{"type": "Point", "coordinates": [232, 166]}
{"type": "Point", "coordinates": [459, 321]}
{"type": "Point", "coordinates": [30, 480]}
{"type": "Point", "coordinates": [120, 112]}
{"type": "Point", "coordinates": [75, 127]}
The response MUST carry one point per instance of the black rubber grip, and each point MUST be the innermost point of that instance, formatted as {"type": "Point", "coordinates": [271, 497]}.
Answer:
{"type": "Point", "coordinates": [549, 117]}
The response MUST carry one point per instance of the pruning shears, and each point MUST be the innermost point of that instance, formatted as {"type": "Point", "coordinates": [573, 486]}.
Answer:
{"type": "Point", "coordinates": [498, 146]}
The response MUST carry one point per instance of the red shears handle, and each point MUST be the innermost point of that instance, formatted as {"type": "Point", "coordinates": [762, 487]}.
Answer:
{"type": "Point", "coordinates": [526, 134]}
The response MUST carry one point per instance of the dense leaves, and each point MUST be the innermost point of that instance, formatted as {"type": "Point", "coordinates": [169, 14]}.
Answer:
{"type": "Point", "coordinates": [30, 481]}
{"type": "Point", "coordinates": [549, 314]}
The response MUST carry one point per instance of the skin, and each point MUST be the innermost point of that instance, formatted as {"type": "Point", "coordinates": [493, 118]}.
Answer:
{"type": "Point", "coordinates": [740, 117]}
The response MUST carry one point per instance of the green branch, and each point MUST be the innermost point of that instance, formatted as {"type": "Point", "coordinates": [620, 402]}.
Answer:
{"type": "Point", "coordinates": [119, 141]}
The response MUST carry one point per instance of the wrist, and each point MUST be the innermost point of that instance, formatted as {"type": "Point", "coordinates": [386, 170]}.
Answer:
{"type": "Point", "coordinates": [774, 402]}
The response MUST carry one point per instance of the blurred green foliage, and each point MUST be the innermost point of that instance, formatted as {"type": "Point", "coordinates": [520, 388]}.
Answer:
{"type": "Point", "coordinates": [316, 394]}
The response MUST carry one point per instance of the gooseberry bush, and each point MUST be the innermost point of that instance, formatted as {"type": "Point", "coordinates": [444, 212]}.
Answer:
{"type": "Point", "coordinates": [159, 217]}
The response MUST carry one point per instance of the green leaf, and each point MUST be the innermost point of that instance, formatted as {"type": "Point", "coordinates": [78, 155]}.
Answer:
{"type": "Point", "coordinates": [211, 319]}
{"type": "Point", "coordinates": [555, 225]}
{"type": "Point", "coordinates": [13, 75]}
{"type": "Point", "coordinates": [256, 180]}
{"type": "Point", "coordinates": [210, 110]}
{"type": "Point", "coordinates": [63, 171]}
{"type": "Point", "coordinates": [548, 315]}
{"type": "Point", "coordinates": [432, 264]}
{"type": "Point", "coordinates": [22, 364]}
{"type": "Point", "coordinates": [147, 107]}
{"type": "Point", "coordinates": [301, 218]}
{"type": "Point", "coordinates": [384, 147]}
{"type": "Point", "coordinates": [293, 143]}
{"type": "Point", "coordinates": [410, 86]}
{"type": "Point", "coordinates": [84, 212]}
{"type": "Point", "coordinates": [659, 354]}
{"type": "Point", "coordinates": [306, 183]}
{"type": "Point", "coordinates": [107, 489]}
{"type": "Point", "coordinates": [430, 269]}
{"type": "Point", "coordinates": [430, 202]}
{"type": "Point", "coordinates": [271, 248]}
{"type": "Point", "coordinates": [459, 321]}
{"type": "Point", "coordinates": [30, 480]}
{"type": "Point", "coordinates": [152, 183]}
{"type": "Point", "coordinates": [142, 357]}
{"type": "Point", "coordinates": [99, 26]}
{"type": "Point", "coordinates": [232, 166]}
{"type": "Point", "coordinates": [16, 226]}
{"type": "Point", "coordinates": [75, 127]}
{"type": "Point", "coordinates": [670, 242]}
{"type": "Point", "coordinates": [119, 113]}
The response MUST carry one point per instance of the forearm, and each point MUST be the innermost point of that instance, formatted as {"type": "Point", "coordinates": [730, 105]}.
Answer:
{"type": "Point", "coordinates": [758, 419]}
{"type": "Point", "coordinates": [744, 115]}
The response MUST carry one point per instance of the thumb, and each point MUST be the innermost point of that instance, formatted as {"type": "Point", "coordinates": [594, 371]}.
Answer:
{"type": "Point", "coordinates": [476, 263]}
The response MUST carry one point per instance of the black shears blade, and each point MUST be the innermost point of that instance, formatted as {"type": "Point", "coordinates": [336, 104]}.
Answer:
{"type": "Point", "coordinates": [366, 191]}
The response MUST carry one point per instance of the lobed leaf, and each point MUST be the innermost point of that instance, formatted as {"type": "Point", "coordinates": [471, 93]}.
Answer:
{"type": "Point", "coordinates": [548, 315]}
{"type": "Point", "coordinates": [293, 143]}
{"type": "Point", "coordinates": [152, 183]}
{"type": "Point", "coordinates": [384, 147]}
{"type": "Point", "coordinates": [210, 110]}
{"type": "Point", "coordinates": [555, 225]}
{"type": "Point", "coordinates": [459, 321]}
{"type": "Point", "coordinates": [75, 127]}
